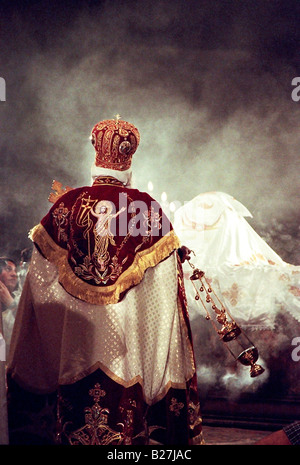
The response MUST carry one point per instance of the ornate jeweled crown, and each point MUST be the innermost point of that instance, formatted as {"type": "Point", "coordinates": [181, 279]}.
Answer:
{"type": "Point", "coordinates": [115, 142]}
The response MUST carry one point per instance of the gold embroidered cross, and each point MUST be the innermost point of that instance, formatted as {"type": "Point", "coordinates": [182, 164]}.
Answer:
{"type": "Point", "coordinates": [97, 392]}
{"type": "Point", "coordinates": [176, 406]}
{"type": "Point", "coordinates": [118, 117]}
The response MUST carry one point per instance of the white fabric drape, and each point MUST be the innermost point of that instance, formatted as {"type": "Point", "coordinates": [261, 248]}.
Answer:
{"type": "Point", "coordinates": [59, 339]}
{"type": "Point", "coordinates": [252, 280]}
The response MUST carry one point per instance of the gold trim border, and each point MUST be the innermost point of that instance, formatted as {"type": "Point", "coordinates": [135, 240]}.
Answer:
{"type": "Point", "coordinates": [95, 294]}
{"type": "Point", "coordinates": [98, 365]}
{"type": "Point", "coordinates": [126, 384]}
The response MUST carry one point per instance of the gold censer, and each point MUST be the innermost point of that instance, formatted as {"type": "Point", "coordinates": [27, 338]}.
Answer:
{"type": "Point", "coordinates": [234, 338]}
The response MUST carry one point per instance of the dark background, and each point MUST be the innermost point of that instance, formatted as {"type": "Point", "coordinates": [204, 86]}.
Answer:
{"type": "Point", "coordinates": [208, 84]}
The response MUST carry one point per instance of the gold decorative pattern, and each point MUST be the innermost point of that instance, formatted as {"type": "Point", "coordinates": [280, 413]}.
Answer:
{"type": "Point", "coordinates": [109, 294]}
{"type": "Point", "coordinates": [232, 294]}
{"type": "Point", "coordinates": [97, 392]}
{"type": "Point", "coordinates": [295, 290]}
{"type": "Point", "coordinates": [107, 181]}
{"type": "Point", "coordinates": [127, 411]}
{"type": "Point", "coordinates": [58, 191]}
{"type": "Point", "coordinates": [194, 415]}
{"type": "Point", "coordinates": [115, 142]}
{"type": "Point", "coordinates": [176, 406]}
{"type": "Point", "coordinates": [96, 430]}
{"type": "Point", "coordinates": [60, 218]}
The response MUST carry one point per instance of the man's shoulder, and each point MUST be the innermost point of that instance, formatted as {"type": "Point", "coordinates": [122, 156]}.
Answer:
{"type": "Point", "coordinates": [139, 195]}
{"type": "Point", "coordinates": [115, 192]}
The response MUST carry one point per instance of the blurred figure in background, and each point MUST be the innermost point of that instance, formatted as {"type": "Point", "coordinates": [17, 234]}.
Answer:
{"type": "Point", "coordinates": [8, 282]}
{"type": "Point", "coordinates": [9, 295]}
{"type": "Point", "coordinates": [8, 308]}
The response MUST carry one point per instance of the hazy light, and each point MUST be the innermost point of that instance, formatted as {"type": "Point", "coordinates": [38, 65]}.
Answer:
{"type": "Point", "coordinates": [172, 207]}
{"type": "Point", "coordinates": [164, 197]}
{"type": "Point", "coordinates": [150, 186]}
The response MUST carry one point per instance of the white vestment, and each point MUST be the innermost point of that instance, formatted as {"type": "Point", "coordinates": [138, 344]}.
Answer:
{"type": "Point", "coordinates": [250, 277]}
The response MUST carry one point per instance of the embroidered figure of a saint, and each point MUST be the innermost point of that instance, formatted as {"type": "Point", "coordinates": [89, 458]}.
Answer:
{"type": "Point", "coordinates": [102, 231]}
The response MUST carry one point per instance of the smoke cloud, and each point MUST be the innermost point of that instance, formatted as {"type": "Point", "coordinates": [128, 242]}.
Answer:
{"type": "Point", "coordinates": [208, 84]}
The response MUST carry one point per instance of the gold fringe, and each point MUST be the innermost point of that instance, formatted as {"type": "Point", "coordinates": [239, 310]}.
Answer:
{"type": "Point", "coordinates": [122, 382]}
{"type": "Point", "coordinates": [96, 294]}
